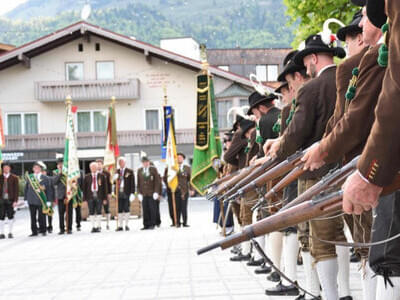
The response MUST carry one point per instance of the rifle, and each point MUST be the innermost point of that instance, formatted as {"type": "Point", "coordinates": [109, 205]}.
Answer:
{"type": "Point", "coordinates": [284, 182]}
{"type": "Point", "coordinates": [274, 172]}
{"type": "Point", "coordinates": [320, 205]}
{"type": "Point", "coordinates": [252, 176]}
{"type": "Point", "coordinates": [221, 180]}
{"type": "Point", "coordinates": [228, 184]}
{"type": "Point", "coordinates": [335, 177]}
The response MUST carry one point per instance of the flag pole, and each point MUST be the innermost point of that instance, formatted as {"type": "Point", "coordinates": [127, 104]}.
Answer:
{"type": "Point", "coordinates": [115, 168]}
{"type": "Point", "coordinates": [172, 192]}
{"type": "Point", "coordinates": [68, 102]}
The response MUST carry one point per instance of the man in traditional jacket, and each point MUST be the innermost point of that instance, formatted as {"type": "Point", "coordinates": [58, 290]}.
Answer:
{"type": "Point", "coordinates": [148, 187]}
{"type": "Point", "coordinates": [38, 191]}
{"type": "Point", "coordinates": [9, 197]}
{"type": "Point", "coordinates": [94, 192]}
{"type": "Point", "coordinates": [106, 204]}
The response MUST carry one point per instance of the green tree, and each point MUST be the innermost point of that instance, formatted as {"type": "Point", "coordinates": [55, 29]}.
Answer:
{"type": "Point", "coordinates": [310, 15]}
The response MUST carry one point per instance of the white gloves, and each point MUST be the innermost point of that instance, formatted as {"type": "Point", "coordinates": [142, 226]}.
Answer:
{"type": "Point", "coordinates": [140, 196]}
{"type": "Point", "coordinates": [48, 203]}
{"type": "Point", "coordinates": [131, 197]}
{"type": "Point", "coordinates": [155, 196]}
{"type": "Point", "coordinates": [115, 177]}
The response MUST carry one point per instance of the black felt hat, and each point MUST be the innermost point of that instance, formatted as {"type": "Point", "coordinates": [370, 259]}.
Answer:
{"type": "Point", "coordinates": [290, 66]}
{"type": "Point", "coordinates": [144, 158]}
{"type": "Point", "coordinates": [375, 11]}
{"type": "Point", "coordinates": [246, 125]}
{"type": "Point", "coordinates": [6, 163]}
{"type": "Point", "coordinates": [237, 122]}
{"type": "Point", "coordinates": [315, 44]}
{"type": "Point", "coordinates": [352, 28]}
{"type": "Point", "coordinates": [282, 86]}
{"type": "Point", "coordinates": [255, 99]}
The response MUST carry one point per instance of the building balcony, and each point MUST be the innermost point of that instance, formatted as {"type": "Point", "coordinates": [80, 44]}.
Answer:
{"type": "Point", "coordinates": [56, 141]}
{"type": "Point", "coordinates": [86, 90]}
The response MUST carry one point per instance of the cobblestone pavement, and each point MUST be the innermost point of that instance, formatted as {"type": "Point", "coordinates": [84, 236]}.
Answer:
{"type": "Point", "coordinates": [158, 264]}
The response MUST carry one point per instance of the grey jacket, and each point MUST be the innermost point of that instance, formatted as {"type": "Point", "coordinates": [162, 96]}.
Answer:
{"type": "Point", "coordinates": [31, 196]}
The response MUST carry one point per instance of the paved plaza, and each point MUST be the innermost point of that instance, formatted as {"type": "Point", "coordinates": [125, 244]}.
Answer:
{"type": "Point", "coordinates": [158, 264]}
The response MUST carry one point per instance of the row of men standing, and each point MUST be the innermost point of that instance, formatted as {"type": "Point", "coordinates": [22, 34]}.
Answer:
{"type": "Point", "coordinates": [322, 108]}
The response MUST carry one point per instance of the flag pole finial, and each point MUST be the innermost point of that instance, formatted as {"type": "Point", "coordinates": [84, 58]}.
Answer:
{"type": "Point", "coordinates": [203, 57]}
{"type": "Point", "coordinates": [165, 94]}
{"type": "Point", "coordinates": [113, 100]}
{"type": "Point", "coordinates": [68, 100]}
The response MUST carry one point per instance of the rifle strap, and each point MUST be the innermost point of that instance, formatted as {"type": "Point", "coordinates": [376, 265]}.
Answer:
{"type": "Point", "coordinates": [256, 245]}
{"type": "Point", "coordinates": [356, 244]}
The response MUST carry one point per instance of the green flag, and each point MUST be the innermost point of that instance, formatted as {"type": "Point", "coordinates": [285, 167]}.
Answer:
{"type": "Point", "coordinates": [208, 144]}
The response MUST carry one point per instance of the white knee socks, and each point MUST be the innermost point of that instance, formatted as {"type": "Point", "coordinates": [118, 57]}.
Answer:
{"type": "Point", "coordinates": [98, 218]}
{"type": "Point", "coordinates": [312, 280]}
{"type": "Point", "coordinates": [108, 216]}
{"type": "Point", "coordinates": [2, 227]}
{"type": "Point", "coordinates": [245, 248]}
{"type": "Point", "coordinates": [290, 251]}
{"type": "Point", "coordinates": [261, 242]}
{"type": "Point", "coordinates": [92, 219]}
{"type": "Point", "coordinates": [343, 257]}
{"type": "Point", "coordinates": [327, 273]}
{"type": "Point", "coordinates": [275, 247]}
{"type": "Point", "coordinates": [126, 215]}
{"type": "Point", "coordinates": [368, 282]}
{"type": "Point", "coordinates": [11, 225]}
{"type": "Point", "coordinates": [388, 292]}
{"type": "Point", "coordinates": [120, 220]}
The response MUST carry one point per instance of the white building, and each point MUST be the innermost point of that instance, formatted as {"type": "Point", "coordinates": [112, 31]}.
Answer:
{"type": "Point", "coordinates": [92, 64]}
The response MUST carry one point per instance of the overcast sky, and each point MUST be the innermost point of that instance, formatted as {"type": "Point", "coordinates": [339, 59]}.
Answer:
{"type": "Point", "coordinates": [7, 5]}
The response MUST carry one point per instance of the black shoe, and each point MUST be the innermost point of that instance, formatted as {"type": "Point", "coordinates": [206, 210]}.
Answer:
{"type": "Point", "coordinates": [93, 230]}
{"type": "Point", "coordinates": [119, 229]}
{"type": "Point", "coordinates": [186, 225]}
{"type": "Point", "coordinates": [2, 236]}
{"type": "Point", "coordinates": [264, 269]}
{"type": "Point", "coordinates": [61, 232]}
{"type": "Point", "coordinates": [346, 298]}
{"type": "Point", "coordinates": [98, 229]}
{"type": "Point", "coordinates": [300, 297]}
{"type": "Point", "coordinates": [144, 228]}
{"type": "Point", "coordinates": [126, 228]}
{"type": "Point", "coordinates": [78, 228]}
{"type": "Point", "coordinates": [69, 232]}
{"type": "Point", "coordinates": [172, 225]}
{"type": "Point", "coordinates": [179, 225]}
{"type": "Point", "coordinates": [282, 290]}
{"type": "Point", "coordinates": [33, 234]}
{"type": "Point", "coordinates": [107, 227]}
{"type": "Point", "coordinates": [240, 257]}
{"type": "Point", "coordinates": [274, 277]}
{"type": "Point", "coordinates": [50, 229]}
{"type": "Point", "coordinates": [158, 225]}
{"type": "Point", "coordinates": [10, 236]}
{"type": "Point", "coordinates": [44, 233]}
{"type": "Point", "coordinates": [255, 263]}
{"type": "Point", "coordinates": [150, 227]}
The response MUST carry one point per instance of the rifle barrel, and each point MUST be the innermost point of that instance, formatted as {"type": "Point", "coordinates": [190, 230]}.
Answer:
{"type": "Point", "coordinates": [300, 213]}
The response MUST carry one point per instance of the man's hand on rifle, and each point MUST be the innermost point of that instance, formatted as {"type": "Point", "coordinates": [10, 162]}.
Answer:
{"type": "Point", "coordinates": [259, 161]}
{"type": "Point", "coordinates": [274, 149]}
{"type": "Point", "coordinates": [359, 194]}
{"type": "Point", "coordinates": [314, 158]}
{"type": "Point", "coordinates": [268, 144]}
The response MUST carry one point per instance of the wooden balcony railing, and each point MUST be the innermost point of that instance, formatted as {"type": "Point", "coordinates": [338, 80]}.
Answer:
{"type": "Point", "coordinates": [92, 139]}
{"type": "Point", "coordinates": [86, 90]}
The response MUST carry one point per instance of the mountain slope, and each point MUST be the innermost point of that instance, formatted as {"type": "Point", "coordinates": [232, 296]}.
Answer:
{"type": "Point", "coordinates": [218, 23]}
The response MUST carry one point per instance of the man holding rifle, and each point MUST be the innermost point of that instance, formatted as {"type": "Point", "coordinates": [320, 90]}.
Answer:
{"type": "Point", "coordinates": [315, 105]}
{"type": "Point", "coordinates": [347, 136]}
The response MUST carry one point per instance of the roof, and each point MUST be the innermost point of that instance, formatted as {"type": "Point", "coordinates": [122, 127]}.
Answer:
{"type": "Point", "coordinates": [6, 47]}
{"type": "Point", "coordinates": [234, 90]}
{"type": "Point", "coordinates": [82, 28]}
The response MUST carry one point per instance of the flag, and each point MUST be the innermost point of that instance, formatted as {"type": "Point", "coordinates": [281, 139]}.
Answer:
{"type": "Point", "coordinates": [2, 139]}
{"type": "Point", "coordinates": [172, 159]}
{"type": "Point", "coordinates": [71, 161]}
{"type": "Point", "coordinates": [112, 149]}
{"type": "Point", "coordinates": [207, 144]}
{"type": "Point", "coordinates": [167, 113]}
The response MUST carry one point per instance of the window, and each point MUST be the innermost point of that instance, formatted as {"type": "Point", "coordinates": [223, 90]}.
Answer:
{"type": "Point", "coordinates": [243, 102]}
{"type": "Point", "coordinates": [91, 121]}
{"type": "Point", "coordinates": [222, 112]}
{"type": "Point", "coordinates": [152, 119]}
{"type": "Point", "coordinates": [272, 72]}
{"type": "Point", "coordinates": [22, 123]}
{"type": "Point", "coordinates": [261, 72]}
{"type": "Point", "coordinates": [74, 71]}
{"type": "Point", "coordinates": [225, 68]}
{"type": "Point", "coordinates": [105, 69]}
